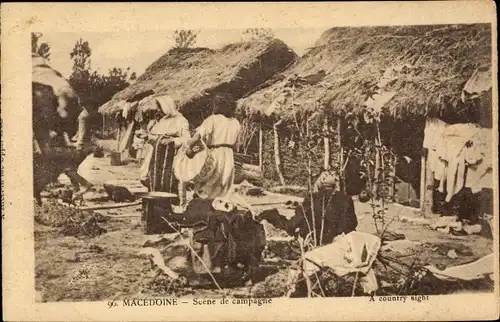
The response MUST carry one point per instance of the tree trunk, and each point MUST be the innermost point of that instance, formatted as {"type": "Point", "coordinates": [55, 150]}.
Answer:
{"type": "Point", "coordinates": [326, 142]}
{"type": "Point", "coordinates": [261, 141]}
{"type": "Point", "coordinates": [277, 157]}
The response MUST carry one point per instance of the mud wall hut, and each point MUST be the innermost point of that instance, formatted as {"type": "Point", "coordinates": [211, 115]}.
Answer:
{"type": "Point", "coordinates": [408, 73]}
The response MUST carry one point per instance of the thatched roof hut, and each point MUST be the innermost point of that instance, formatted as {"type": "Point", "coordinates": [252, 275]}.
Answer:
{"type": "Point", "coordinates": [192, 76]}
{"type": "Point", "coordinates": [424, 69]}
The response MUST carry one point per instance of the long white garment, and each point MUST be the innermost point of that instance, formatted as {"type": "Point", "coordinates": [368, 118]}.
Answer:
{"type": "Point", "coordinates": [172, 124]}
{"type": "Point", "coordinates": [455, 136]}
{"type": "Point", "coordinates": [217, 130]}
{"type": "Point", "coordinates": [478, 157]}
{"type": "Point", "coordinates": [432, 136]}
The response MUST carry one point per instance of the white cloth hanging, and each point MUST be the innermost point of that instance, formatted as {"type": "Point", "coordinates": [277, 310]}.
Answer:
{"type": "Point", "coordinates": [478, 157]}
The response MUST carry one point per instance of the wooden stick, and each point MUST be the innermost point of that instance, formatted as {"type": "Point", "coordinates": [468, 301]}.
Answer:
{"type": "Point", "coordinates": [260, 146]}
{"type": "Point", "coordinates": [193, 251]}
{"type": "Point", "coordinates": [119, 139]}
{"type": "Point", "coordinates": [122, 216]}
{"type": "Point", "coordinates": [341, 156]}
{"type": "Point", "coordinates": [277, 157]}
{"type": "Point", "coordinates": [303, 261]}
{"type": "Point", "coordinates": [326, 142]}
{"type": "Point", "coordinates": [268, 203]}
{"type": "Point", "coordinates": [162, 178]}
{"type": "Point", "coordinates": [354, 284]}
{"type": "Point", "coordinates": [113, 206]}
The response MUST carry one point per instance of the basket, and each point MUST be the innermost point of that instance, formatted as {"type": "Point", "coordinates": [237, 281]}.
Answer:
{"type": "Point", "coordinates": [197, 169]}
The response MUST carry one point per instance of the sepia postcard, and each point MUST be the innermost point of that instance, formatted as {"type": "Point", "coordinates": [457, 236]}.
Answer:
{"type": "Point", "coordinates": [287, 161]}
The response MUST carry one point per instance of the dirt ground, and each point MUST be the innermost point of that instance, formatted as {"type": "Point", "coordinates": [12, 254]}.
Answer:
{"type": "Point", "coordinates": [110, 265]}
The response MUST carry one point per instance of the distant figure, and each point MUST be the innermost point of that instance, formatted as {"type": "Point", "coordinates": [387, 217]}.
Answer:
{"type": "Point", "coordinates": [82, 150]}
{"type": "Point", "coordinates": [163, 136]}
{"type": "Point", "coordinates": [220, 133]}
{"type": "Point", "coordinates": [333, 210]}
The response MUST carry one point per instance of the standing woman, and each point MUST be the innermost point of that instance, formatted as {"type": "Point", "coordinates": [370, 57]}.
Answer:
{"type": "Point", "coordinates": [220, 133]}
{"type": "Point", "coordinates": [163, 136]}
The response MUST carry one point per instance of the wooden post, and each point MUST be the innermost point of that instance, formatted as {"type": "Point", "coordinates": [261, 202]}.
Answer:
{"type": "Point", "coordinates": [277, 157]}
{"type": "Point", "coordinates": [394, 161]}
{"type": "Point", "coordinates": [341, 157]}
{"type": "Point", "coordinates": [119, 139]}
{"type": "Point", "coordinates": [423, 171]}
{"type": "Point", "coordinates": [429, 189]}
{"type": "Point", "coordinates": [261, 141]}
{"type": "Point", "coordinates": [326, 141]}
{"type": "Point", "coordinates": [426, 183]}
{"type": "Point", "coordinates": [393, 180]}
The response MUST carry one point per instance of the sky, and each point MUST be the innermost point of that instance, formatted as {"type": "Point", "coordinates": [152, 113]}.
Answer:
{"type": "Point", "coordinates": [138, 50]}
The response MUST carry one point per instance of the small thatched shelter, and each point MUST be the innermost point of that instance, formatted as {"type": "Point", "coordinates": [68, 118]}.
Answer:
{"type": "Point", "coordinates": [407, 72]}
{"type": "Point", "coordinates": [192, 76]}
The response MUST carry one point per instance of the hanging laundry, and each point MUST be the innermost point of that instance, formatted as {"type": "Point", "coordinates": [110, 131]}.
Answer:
{"type": "Point", "coordinates": [455, 136]}
{"type": "Point", "coordinates": [433, 131]}
{"type": "Point", "coordinates": [441, 171]}
{"type": "Point", "coordinates": [478, 156]}
{"type": "Point", "coordinates": [432, 138]}
{"type": "Point", "coordinates": [441, 161]}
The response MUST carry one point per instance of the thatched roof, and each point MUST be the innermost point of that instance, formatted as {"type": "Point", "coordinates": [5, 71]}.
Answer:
{"type": "Point", "coordinates": [425, 67]}
{"type": "Point", "coordinates": [191, 76]}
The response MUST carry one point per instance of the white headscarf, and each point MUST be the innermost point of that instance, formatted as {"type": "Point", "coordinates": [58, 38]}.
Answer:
{"type": "Point", "coordinates": [172, 122]}
{"type": "Point", "coordinates": [167, 105]}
